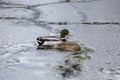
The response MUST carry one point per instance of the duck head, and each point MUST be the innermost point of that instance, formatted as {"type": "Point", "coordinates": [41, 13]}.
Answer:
{"type": "Point", "coordinates": [65, 33]}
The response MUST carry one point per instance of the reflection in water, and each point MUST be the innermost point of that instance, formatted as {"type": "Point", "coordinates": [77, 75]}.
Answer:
{"type": "Point", "coordinates": [72, 64]}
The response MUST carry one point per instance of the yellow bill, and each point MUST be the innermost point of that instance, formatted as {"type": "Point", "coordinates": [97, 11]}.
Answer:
{"type": "Point", "coordinates": [70, 34]}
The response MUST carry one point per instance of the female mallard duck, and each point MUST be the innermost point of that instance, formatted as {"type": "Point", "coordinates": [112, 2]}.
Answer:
{"type": "Point", "coordinates": [58, 43]}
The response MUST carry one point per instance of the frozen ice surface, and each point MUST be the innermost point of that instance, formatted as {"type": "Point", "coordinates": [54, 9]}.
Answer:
{"type": "Point", "coordinates": [31, 2]}
{"type": "Point", "coordinates": [14, 12]}
{"type": "Point", "coordinates": [19, 59]}
{"type": "Point", "coordinates": [99, 10]}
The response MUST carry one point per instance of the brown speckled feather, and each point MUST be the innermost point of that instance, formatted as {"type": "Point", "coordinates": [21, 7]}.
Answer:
{"type": "Point", "coordinates": [68, 46]}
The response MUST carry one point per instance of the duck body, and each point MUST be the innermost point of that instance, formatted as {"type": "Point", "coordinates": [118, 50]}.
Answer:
{"type": "Point", "coordinates": [53, 42]}
{"type": "Point", "coordinates": [68, 46]}
{"type": "Point", "coordinates": [62, 46]}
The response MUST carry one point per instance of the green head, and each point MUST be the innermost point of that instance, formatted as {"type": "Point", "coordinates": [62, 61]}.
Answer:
{"type": "Point", "coordinates": [65, 32]}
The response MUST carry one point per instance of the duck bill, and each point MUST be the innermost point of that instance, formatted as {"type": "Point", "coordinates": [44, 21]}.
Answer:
{"type": "Point", "coordinates": [70, 34]}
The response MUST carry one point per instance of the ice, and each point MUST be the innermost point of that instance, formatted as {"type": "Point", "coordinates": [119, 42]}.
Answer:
{"type": "Point", "coordinates": [22, 21]}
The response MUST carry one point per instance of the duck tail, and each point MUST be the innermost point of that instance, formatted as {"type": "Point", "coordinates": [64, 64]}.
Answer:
{"type": "Point", "coordinates": [40, 41]}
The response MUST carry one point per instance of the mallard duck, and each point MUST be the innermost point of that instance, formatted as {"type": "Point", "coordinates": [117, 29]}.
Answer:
{"type": "Point", "coordinates": [60, 43]}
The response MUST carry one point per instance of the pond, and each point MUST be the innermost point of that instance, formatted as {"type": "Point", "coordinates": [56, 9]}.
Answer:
{"type": "Point", "coordinates": [22, 22]}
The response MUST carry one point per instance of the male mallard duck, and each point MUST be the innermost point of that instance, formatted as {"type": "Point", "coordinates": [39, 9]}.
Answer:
{"type": "Point", "coordinates": [61, 43]}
